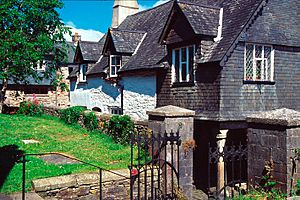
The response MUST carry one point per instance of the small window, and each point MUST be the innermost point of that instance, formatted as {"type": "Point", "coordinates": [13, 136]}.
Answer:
{"type": "Point", "coordinates": [83, 70]}
{"type": "Point", "coordinates": [115, 110]}
{"type": "Point", "coordinates": [183, 64]}
{"type": "Point", "coordinates": [258, 63]}
{"type": "Point", "coordinates": [115, 65]}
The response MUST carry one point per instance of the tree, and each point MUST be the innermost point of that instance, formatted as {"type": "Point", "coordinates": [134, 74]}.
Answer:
{"type": "Point", "coordinates": [30, 31]}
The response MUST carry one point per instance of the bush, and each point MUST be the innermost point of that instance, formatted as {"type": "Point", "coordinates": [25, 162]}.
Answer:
{"type": "Point", "coordinates": [71, 115]}
{"type": "Point", "coordinates": [90, 121]}
{"type": "Point", "coordinates": [120, 127]}
{"type": "Point", "coordinates": [31, 107]}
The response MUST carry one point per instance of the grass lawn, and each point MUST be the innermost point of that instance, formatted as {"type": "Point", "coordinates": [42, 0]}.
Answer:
{"type": "Point", "coordinates": [55, 136]}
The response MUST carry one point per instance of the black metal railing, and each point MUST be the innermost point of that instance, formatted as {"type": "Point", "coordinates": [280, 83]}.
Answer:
{"type": "Point", "coordinates": [159, 153]}
{"type": "Point", "coordinates": [23, 161]}
{"type": "Point", "coordinates": [235, 170]}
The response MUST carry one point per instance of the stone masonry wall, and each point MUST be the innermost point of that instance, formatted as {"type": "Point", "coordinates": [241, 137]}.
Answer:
{"type": "Point", "coordinates": [86, 186]}
{"type": "Point", "coordinates": [271, 149]}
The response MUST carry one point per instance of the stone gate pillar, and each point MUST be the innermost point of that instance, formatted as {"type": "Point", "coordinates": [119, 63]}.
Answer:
{"type": "Point", "coordinates": [273, 137]}
{"type": "Point", "coordinates": [170, 119]}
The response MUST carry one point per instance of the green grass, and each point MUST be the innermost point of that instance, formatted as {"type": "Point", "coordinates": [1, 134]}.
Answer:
{"type": "Point", "coordinates": [56, 136]}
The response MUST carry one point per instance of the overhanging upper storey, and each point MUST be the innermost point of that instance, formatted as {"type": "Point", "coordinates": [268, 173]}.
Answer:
{"type": "Point", "coordinates": [188, 21]}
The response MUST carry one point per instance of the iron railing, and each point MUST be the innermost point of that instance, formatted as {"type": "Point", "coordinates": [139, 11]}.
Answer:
{"type": "Point", "coordinates": [23, 161]}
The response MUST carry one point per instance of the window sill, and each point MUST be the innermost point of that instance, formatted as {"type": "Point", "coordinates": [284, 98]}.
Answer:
{"type": "Point", "coordinates": [183, 84]}
{"type": "Point", "coordinates": [259, 82]}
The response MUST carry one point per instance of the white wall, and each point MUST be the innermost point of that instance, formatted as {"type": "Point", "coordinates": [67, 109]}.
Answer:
{"type": "Point", "coordinates": [139, 95]}
{"type": "Point", "coordinates": [96, 93]}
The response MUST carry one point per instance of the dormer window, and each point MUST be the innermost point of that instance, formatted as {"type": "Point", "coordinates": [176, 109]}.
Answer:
{"type": "Point", "coordinates": [258, 63]}
{"type": "Point", "coordinates": [183, 64]}
{"type": "Point", "coordinates": [83, 70]}
{"type": "Point", "coordinates": [115, 65]}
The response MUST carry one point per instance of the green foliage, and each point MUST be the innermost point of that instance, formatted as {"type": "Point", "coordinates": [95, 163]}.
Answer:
{"type": "Point", "coordinates": [31, 108]}
{"type": "Point", "coordinates": [31, 32]}
{"type": "Point", "coordinates": [298, 187]}
{"type": "Point", "coordinates": [90, 121]}
{"type": "Point", "coordinates": [120, 128]}
{"type": "Point", "coordinates": [71, 115]}
{"type": "Point", "coordinates": [55, 136]}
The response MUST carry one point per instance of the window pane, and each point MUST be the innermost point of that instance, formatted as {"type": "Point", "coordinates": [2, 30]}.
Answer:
{"type": "Point", "coordinates": [183, 71]}
{"type": "Point", "coordinates": [118, 60]}
{"type": "Point", "coordinates": [258, 69]}
{"type": "Point", "coordinates": [113, 61]}
{"type": "Point", "coordinates": [113, 70]}
{"type": "Point", "coordinates": [183, 54]}
{"type": "Point", "coordinates": [267, 63]}
{"type": "Point", "coordinates": [176, 65]}
{"type": "Point", "coordinates": [249, 62]}
{"type": "Point", "coordinates": [258, 51]}
{"type": "Point", "coordinates": [191, 63]}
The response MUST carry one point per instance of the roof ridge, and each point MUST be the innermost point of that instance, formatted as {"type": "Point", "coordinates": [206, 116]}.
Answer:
{"type": "Point", "coordinates": [199, 4]}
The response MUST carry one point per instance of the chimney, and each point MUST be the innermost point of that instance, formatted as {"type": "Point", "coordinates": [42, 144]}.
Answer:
{"type": "Point", "coordinates": [75, 38]}
{"type": "Point", "coordinates": [123, 8]}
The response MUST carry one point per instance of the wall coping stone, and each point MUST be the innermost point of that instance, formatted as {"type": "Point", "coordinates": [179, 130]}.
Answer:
{"type": "Point", "coordinates": [171, 111]}
{"type": "Point", "coordinates": [52, 183]}
{"type": "Point", "coordinates": [282, 116]}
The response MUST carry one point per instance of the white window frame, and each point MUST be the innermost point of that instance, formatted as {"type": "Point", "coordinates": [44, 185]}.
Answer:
{"type": "Point", "coordinates": [262, 59]}
{"type": "Point", "coordinates": [82, 72]}
{"type": "Point", "coordinates": [115, 66]}
{"type": "Point", "coordinates": [115, 110]}
{"type": "Point", "coordinates": [188, 78]}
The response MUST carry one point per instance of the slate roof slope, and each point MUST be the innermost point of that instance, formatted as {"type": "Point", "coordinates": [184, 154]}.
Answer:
{"type": "Point", "coordinates": [94, 55]}
{"type": "Point", "coordinates": [150, 53]}
{"type": "Point", "coordinates": [126, 41]}
{"type": "Point", "coordinates": [71, 52]}
{"type": "Point", "coordinates": [90, 50]}
{"type": "Point", "coordinates": [102, 62]}
{"type": "Point", "coordinates": [204, 19]}
{"type": "Point", "coordinates": [236, 14]}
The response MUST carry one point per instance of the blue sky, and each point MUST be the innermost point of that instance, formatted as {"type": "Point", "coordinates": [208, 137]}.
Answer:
{"type": "Point", "coordinates": [92, 18]}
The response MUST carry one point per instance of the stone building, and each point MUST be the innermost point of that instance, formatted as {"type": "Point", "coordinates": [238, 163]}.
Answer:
{"type": "Point", "coordinates": [43, 91]}
{"type": "Point", "coordinates": [222, 59]}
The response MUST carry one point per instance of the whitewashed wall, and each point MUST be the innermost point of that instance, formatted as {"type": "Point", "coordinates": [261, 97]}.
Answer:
{"type": "Point", "coordinates": [96, 93]}
{"type": "Point", "coordinates": [139, 95]}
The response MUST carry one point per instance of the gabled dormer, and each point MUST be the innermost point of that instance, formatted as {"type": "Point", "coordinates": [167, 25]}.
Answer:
{"type": "Point", "coordinates": [186, 26]}
{"type": "Point", "coordinates": [119, 46]}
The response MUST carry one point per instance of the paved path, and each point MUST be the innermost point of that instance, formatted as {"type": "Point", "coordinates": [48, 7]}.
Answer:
{"type": "Point", "coordinates": [18, 196]}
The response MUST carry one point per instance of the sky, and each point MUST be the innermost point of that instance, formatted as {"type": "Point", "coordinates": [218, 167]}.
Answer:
{"type": "Point", "coordinates": [92, 18]}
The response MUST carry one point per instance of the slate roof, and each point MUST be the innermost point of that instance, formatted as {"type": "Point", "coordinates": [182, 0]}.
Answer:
{"type": "Point", "coordinates": [150, 53]}
{"type": "Point", "coordinates": [202, 15]}
{"type": "Point", "coordinates": [94, 55]}
{"type": "Point", "coordinates": [126, 41]}
{"type": "Point", "coordinates": [71, 52]}
{"type": "Point", "coordinates": [203, 19]}
{"type": "Point", "coordinates": [91, 51]}
{"type": "Point", "coordinates": [236, 14]}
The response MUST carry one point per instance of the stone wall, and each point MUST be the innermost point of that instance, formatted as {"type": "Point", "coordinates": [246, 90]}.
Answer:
{"type": "Point", "coordinates": [272, 139]}
{"type": "Point", "coordinates": [115, 186]}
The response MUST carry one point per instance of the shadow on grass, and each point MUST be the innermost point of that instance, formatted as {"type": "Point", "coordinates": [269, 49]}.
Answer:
{"type": "Point", "coordinates": [9, 155]}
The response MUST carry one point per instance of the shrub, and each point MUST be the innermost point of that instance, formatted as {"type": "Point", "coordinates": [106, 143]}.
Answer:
{"type": "Point", "coordinates": [119, 127]}
{"type": "Point", "coordinates": [71, 115]}
{"type": "Point", "coordinates": [31, 107]}
{"type": "Point", "coordinates": [90, 121]}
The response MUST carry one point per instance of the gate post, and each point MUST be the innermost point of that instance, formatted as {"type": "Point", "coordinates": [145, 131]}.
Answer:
{"type": "Point", "coordinates": [221, 139]}
{"type": "Point", "coordinates": [172, 119]}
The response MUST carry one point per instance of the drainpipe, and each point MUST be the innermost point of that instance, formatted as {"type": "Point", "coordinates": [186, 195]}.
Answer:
{"type": "Point", "coordinates": [122, 98]}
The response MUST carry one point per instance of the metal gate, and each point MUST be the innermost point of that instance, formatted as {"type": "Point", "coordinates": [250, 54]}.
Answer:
{"type": "Point", "coordinates": [234, 165]}
{"type": "Point", "coordinates": [154, 166]}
